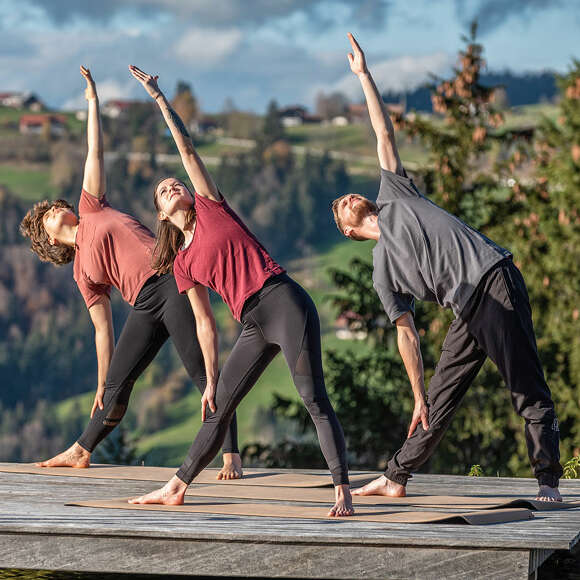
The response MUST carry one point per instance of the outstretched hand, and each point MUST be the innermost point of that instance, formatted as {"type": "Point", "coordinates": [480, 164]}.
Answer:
{"type": "Point", "coordinates": [357, 61]}
{"type": "Point", "coordinates": [420, 415]}
{"type": "Point", "coordinates": [148, 81]}
{"type": "Point", "coordinates": [91, 90]}
{"type": "Point", "coordinates": [208, 399]}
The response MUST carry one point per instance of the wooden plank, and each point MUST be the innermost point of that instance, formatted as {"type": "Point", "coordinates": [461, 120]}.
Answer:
{"type": "Point", "coordinates": [256, 559]}
{"type": "Point", "coordinates": [36, 504]}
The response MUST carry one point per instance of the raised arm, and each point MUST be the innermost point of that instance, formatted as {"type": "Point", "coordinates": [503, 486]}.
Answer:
{"type": "Point", "coordinates": [102, 318]}
{"type": "Point", "coordinates": [94, 180]}
{"type": "Point", "coordinates": [198, 174]}
{"type": "Point", "coordinates": [208, 341]}
{"type": "Point", "coordinates": [410, 350]}
{"type": "Point", "coordinates": [383, 127]}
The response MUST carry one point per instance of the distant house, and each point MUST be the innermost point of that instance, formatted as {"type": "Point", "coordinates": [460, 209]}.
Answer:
{"type": "Point", "coordinates": [21, 100]}
{"type": "Point", "coordinates": [204, 126]}
{"type": "Point", "coordinates": [350, 326]}
{"type": "Point", "coordinates": [117, 107]}
{"type": "Point", "coordinates": [358, 113]}
{"type": "Point", "coordinates": [54, 125]}
{"type": "Point", "coordinates": [292, 116]}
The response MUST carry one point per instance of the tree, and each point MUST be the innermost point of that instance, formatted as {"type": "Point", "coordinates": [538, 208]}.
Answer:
{"type": "Point", "coordinates": [185, 103]}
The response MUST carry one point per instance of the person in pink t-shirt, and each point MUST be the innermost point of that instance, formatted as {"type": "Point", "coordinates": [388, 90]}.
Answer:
{"type": "Point", "coordinates": [110, 248]}
{"type": "Point", "coordinates": [209, 246]}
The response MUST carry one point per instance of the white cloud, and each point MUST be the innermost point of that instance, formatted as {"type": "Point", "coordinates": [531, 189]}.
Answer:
{"type": "Point", "coordinates": [207, 46]}
{"type": "Point", "coordinates": [394, 74]}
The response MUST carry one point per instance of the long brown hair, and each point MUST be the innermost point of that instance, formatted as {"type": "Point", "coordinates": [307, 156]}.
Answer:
{"type": "Point", "coordinates": [169, 238]}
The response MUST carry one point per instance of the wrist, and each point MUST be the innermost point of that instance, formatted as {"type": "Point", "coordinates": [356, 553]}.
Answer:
{"type": "Point", "coordinates": [363, 74]}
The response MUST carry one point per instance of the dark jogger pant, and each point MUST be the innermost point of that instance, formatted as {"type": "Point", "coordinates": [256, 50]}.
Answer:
{"type": "Point", "coordinates": [281, 316]}
{"type": "Point", "coordinates": [497, 322]}
{"type": "Point", "coordinates": [159, 312]}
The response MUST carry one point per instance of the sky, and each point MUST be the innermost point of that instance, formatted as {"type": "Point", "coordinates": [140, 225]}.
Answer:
{"type": "Point", "coordinates": [254, 50]}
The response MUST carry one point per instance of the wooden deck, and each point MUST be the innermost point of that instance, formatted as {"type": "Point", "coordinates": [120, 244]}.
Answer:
{"type": "Point", "coordinates": [38, 531]}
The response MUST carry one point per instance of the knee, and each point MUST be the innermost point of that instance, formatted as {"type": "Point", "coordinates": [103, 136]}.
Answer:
{"type": "Point", "coordinates": [317, 407]}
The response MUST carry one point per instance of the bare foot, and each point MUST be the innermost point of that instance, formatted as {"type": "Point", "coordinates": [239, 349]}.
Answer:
{"type": "Point", "coordinates": [232, 468]}
{"type": "Point", "coordinates": [172, 493]}
{"type": "Point", "coordinates": [547, 493]}
{"type": "Point", "coordinates": [381, 486]}
{"type": "Point", "coordinates": [74, 456]}
{"type": "Point", "coordinates": [343, 504]}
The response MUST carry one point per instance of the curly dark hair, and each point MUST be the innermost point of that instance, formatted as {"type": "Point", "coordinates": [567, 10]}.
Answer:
{"type": "Point", "coordinates": [32, 227]}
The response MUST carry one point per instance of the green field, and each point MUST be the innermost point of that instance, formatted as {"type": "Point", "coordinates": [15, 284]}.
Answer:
{"type": "Point", "coordinates": [30, 182]}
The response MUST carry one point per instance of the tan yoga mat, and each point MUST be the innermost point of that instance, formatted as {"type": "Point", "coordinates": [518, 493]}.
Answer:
{"type": "Point", "coordinates": [319, 495]}
{"type": "Point", "coordinates": [379, 515]}
{"type": "Point", "coordinates": [207, 476]}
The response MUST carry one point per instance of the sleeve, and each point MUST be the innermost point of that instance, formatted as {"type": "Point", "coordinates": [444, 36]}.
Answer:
{"type": "Point", "coordinates": [182, 279]}
{"type": "Point", "coordinates": [207, 203]}
{"type": "Point", "coordinates": [395, 186]}
{"type": "Point", "coordinates": [91, 292]}
{"type": "Point", "coordinates": [395, 303]}
{"type": "Point", "coordinates": [89, 203]}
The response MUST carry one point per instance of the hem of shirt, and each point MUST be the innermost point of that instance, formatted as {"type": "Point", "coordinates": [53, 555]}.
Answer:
{"type": "Point", "coordinates": [140, 287]}
{"type": "Point", "coordinates": [276, 272]}
{"type": "Point", "coordinates": [485, 271]}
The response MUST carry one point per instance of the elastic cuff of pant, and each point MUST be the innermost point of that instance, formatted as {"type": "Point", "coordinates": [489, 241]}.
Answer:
{"type": "Point", "coordinates": [86, 447]}
{"type": "Point", "coordinates": [235, 450]}
{"type": "Point", "coordinates": [340, 480]}
{"type": "Point", "coordinates": [397, 477]}
{"type": "Point", "coordinates": [181, 475]}
{"type": "Point", "coordinates": [549, 480]}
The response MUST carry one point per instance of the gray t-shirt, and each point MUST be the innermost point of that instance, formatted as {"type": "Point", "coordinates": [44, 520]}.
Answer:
{"type": "Point", "coordinates": [425, 252]}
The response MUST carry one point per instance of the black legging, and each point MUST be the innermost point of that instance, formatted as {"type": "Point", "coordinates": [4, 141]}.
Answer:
{"type": "Point", "coordinates": [281, 316]}
{"type": "Point", "coordinates": [159, 312]}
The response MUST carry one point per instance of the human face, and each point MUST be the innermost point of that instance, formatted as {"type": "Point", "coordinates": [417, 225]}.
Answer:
{"type": "Point", "coordinates": [56, 219]}
{"type": "Point", "coordinates": [172, 196]}
{"type": "Point", "coordinates": [352, 210]}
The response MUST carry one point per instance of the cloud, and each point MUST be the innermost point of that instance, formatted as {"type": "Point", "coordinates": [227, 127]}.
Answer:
{"type": "Point", "coordinates": [223, 13]}
{"type": "Point", "coordinates": [395, 74]}
{"type": "Point", "coordinates": [491, 14]}
{"type": "Point", "coordinates": [207, 46]}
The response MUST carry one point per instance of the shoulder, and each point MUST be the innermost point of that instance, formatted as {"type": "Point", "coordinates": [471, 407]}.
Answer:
{"type": "Point", "coordinates": [89, 203]}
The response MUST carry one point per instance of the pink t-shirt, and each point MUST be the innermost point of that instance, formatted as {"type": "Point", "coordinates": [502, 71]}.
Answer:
{"type": "Point", "coordinates": [112, 249]}
{"type": "Point", "coordinates": [224, 256]}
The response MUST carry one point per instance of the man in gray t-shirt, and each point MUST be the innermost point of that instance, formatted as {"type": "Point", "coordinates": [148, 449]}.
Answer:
{"type": "Point", "coordinates": [425, 253]}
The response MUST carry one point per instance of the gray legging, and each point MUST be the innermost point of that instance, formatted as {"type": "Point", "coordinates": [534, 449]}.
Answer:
{"type": "Point", "coordinates": [160, 312]}
{"type": "Point", "coordinates": [280, 316]}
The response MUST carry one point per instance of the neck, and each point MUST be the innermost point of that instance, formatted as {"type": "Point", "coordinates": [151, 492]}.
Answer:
{"type": "Point", "coordinates": [67, 235]}
{"type": "Point", "coordinates": [369, 229]}
{"type": "Point", "coordinates": [179, 219]}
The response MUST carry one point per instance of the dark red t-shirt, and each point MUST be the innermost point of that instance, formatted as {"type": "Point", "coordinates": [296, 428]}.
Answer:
{"type": "Point", "coordinates": [112, 249]}
{"type": "Point", "coordinates": [224, 256]}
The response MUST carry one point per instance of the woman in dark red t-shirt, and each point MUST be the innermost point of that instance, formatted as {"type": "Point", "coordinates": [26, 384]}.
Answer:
{"type": "Point", "coordinates": [111, 248]}
{"type": "Point", "coordinates": [209, 246]}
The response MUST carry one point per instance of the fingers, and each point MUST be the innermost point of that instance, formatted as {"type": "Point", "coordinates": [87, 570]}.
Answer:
{"type": "Point", "coordinates": [141, 75]}
{"type": "Point", "coordinates": [350, 58]}
{"type": "Point", "coordinates": [425, 422]}
{"type": "Point", "coordinates": [355, 46]}
{"type": "Point", "coordinates": [100, 401]}
{"type": "Point", "coordinates": [212, 404]}
{"type": "Point", "coordinates": [93, 409]}
{"type": "Point", "coordinates": [203, 408]}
